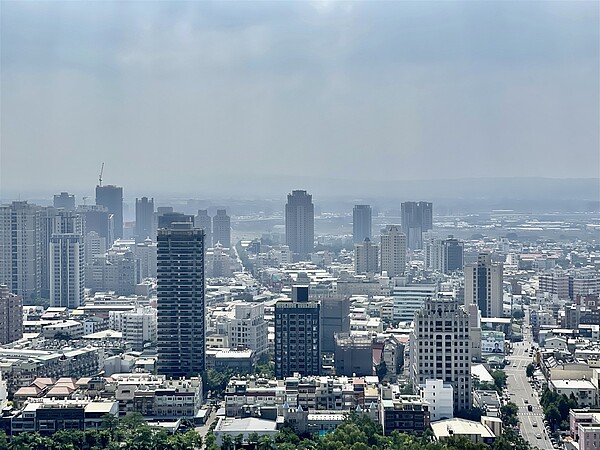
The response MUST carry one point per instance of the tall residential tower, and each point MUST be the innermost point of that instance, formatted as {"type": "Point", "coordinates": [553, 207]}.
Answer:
{"type": "Point", "coordinates": [221, 229]}
{"type": "Point", "coordinates": [417, 218]}
{"type": "Point", "coordinates": [181, 315]}
{"type": "Point", "coordinates": [300, 223]}
{"type": "Point", "coordinates": [440, 348]}
{"type": "Point", "coordinates": [20, 249]}
{"type": "Point", "coordinates": [67, 261]}
{"type": "Point", "coordinates": [204, 222]}
{"type": "Point", "coordinates": [297, 335]}
{"type": "Point", "coordinates": [483, 286]}
{"type": "Point", "coordinates": [393, 251]}
{"type": "Point", "coordinates": [144, 219]}
{"type": "Point", "coordinates": [361, 223]}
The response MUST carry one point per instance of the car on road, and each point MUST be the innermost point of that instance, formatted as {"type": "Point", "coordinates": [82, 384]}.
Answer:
{"type": "Point", "coordinates": [539, 436]}
{"type": "Point", "coordinates": [525, 401]}
{"type": "Point", "coordinates": [534, 424]}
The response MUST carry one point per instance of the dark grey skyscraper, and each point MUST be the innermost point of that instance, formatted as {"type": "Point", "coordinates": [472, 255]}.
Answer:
{"type": "Point", "coordinates": [335, 317]}
{"type": "Point", "coordinates": [112, 198]}
{"type": "Point", "coordinates": [181, 333]}
{"type": "Point", "coordinates": [144, 217]}
{"type": "Point", "coordinates": [204, 221]}
{"type": "Point", "coordinates": [222, 228]}
{"type": "Point", "coordinates": [166, 219]}
{"type": "Point", "coordinates": [417, 217]}
{"type": "Point", "coordinates": [361, 223]}
{"type": "Point", "coordinates": [65, 201]}
{"type": "Point", "coordinates": [452, 252]}
{"type": "Point", "coordinates": [97, 218]}
{"type": "Point", "coordinates": [297, 335]}
{"type": "Point", "coordinates": [300, 223]}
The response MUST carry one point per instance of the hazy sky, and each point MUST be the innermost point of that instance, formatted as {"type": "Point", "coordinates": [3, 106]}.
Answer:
{"type": "Point", "coordinates": [194, 96]}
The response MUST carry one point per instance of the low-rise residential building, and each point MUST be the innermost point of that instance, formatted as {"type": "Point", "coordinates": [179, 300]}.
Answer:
{"type": "Point", "coordinates": [247, 395]}
{"type": "Point", "coordinates": [584, 390]}
{"type": "Point", "coordinates": [70, 329]}
{"type": "Point", "coordinates": [353, 355]}
{"type": "Point", "coordinates": [138, 327]}
{"type": "Point", "coordinates": [244, 427]}
{"type": "Point", "coordinates": [238, 361]}
{"type": "Point", "coordinates": [476, 432]}
{"type": "Point", "coordinates": [403, 413]}
{"type": "Point", "coordinates": [585, 428]}
{"type": "Point", "coordinates": [49, 415]}
{"type": "Point", "coordinates": [21, 367]}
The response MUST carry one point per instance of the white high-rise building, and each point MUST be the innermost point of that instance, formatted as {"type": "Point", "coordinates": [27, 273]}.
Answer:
{"type": "Point", "coordinates": [409, 298]}
{"type": "Point", "coordinates": [20, 249]}
{"type": "Point", "coordinates": [138, 327]}
{"type": "Point", "coordinates": [95, 245]}
{"type": "Point", "coordinates": [366, 257]}
{"type": "Point", "coordinates": [440, 348]}
{"type": "Point", "coordinates": [67, 261]}
{"type": "Point", "coordinates": [393, 251]}
{"type": "Point", "coordinates": [248, 329]}
{"type": "Point", "coordinates": [483, 286]}
{"type": "Point", "coordinates": [440, 396]}
{"type": "Point", "coordinates": [432, 249]}
{"type": "Point", "coordinates": [146, 252]}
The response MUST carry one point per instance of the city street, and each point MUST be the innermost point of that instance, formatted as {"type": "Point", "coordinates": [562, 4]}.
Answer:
{"type": "Point", "coordinates": [203, 430]}
{"type": "Point", "coordinates": [522, 394]}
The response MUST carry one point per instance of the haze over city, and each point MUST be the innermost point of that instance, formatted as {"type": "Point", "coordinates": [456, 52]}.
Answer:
{"type": "Point", "coordinates": [341, 97]}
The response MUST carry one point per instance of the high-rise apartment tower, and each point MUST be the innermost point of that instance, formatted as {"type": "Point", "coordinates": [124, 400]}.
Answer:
{"type": "Point", "coordinates": [20, 249]}
{"type": "Point", "coordinates": [361, 223]}
{"type": "Point", "coordinates": [417, 218]}
{"type": "Point", "coordinates": [204, 221]}
{"type": "Point", "coordinates": [297, 335]}
{"type": "Point", "coordinates": [440, 348]}
{"type": "Point", "coordinates": [11, 316]}
{"type": "Point", "coordinates": [366, 257]}
{"type": "Point", "coordinates": [144, 219]}
{"type": "Point", "coordinates": [393, 251]}
{"type": "Point", "coordinates": [181, 329]}
{"type": "Point", "coordinates": [65, 201]}
{"type": "Point", "coordinates": [222, 228]}
{"type": "Point", "coordinates": [67, 261]}
{"type": "Point", "coordinates": [300, 223]}
{"type": "Point", "coordinates": [483, 286]}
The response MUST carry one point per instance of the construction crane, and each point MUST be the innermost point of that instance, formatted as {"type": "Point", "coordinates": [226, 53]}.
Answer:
{"type": "Point", "coordinates": [100, 177]}
{"type": "Point", "coordinates": [85, 200]}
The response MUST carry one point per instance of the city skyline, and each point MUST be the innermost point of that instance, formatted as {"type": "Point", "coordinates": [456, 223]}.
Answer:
{"type": "Point", "coordinates": [322, 224]}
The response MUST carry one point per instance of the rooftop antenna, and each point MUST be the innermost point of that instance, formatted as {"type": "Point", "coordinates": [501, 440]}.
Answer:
{"type": "Point", "coordinates": [100, 177]}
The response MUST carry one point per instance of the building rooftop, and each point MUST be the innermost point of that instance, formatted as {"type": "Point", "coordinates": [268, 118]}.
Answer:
{"type": "Point", "coordinates": [572, 384]}
{"type": "Point", "coordinates": [99, 407]}
{"type": "Point", "coordinates": [452, 427]}
{"type": "Point", "coordinates": [246, 425]}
